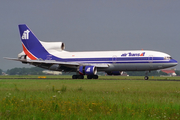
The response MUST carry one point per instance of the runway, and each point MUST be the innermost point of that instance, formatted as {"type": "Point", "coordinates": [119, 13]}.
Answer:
{"type": "Point", "coordinates": [89, 79]}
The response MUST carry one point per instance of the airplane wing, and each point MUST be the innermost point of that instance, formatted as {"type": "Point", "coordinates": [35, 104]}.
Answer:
{"type": "Point", "coordinates": [66, 64]}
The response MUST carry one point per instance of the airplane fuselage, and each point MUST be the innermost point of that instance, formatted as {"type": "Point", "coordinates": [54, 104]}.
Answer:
{"type": "Point", "coordinates": [134, 60]}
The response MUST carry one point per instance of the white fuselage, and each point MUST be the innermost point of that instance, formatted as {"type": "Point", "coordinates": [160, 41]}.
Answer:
{"type": "Point", "coordinates": [131, 60]}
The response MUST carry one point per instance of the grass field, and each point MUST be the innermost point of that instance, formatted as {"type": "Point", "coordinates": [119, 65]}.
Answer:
{"type": "Point", "coordinates": [118, 98]}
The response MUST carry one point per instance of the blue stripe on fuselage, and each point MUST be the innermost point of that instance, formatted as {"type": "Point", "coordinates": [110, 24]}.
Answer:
{"type": "Point", "coordinates": [110, 59]}
{"type": "Point", "coordinates": [118, 60]}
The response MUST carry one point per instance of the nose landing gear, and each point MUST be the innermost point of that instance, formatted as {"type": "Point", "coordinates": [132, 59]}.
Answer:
{"type": "Point", "coordinates": [146, 75]}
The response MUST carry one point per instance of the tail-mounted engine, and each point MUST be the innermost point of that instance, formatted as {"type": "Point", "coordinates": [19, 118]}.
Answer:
{"type": "Point", "coordinates": [87, 70]}
{"type": "Point", "coordinates": [22, 56]}
{"type": "Point", "coordinates": [53, 45]}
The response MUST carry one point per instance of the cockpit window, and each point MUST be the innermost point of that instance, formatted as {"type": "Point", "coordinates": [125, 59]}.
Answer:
{"type": "Point", "coordinates": [167, 58]}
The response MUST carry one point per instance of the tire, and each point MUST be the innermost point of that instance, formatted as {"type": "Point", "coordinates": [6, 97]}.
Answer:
{"type": "Point", "coordinates": [146, 77]}
{"type": "Point", "coordinates": [89, 76]}
{"type": "Point", "coordinates": [74, 77]}
{"type": "Point", "coordinates": [95, 77]}
{"type": "Point", "coordinates": [80, 76]}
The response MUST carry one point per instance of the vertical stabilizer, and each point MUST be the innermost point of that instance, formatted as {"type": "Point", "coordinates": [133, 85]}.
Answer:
{"type": "Point", "coordinates": [31, 45]}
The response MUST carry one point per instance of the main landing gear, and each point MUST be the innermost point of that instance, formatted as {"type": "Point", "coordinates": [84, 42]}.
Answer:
{"type": "Point", "coordinates": [78, 77]}
{"type": "Point", "coordinates": [82, 77]}
{"type": "Point", "coordinates": [92, 76]}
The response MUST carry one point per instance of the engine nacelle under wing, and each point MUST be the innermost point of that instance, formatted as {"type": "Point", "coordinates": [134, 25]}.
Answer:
{"type": "Point", "coordinates": [114, 72]}
{"type": "Point", "coordinates": [87, 70]}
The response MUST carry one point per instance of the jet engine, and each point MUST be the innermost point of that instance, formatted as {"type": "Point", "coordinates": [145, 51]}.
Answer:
{"type": "Point", "coordinates": [114, 72]}
{"type": "Point", "coordinates": [22, 55]}
{"type": "Point", "coordinates": [53, 45]}
{"type": "Point", "coordinates": [87, 70]}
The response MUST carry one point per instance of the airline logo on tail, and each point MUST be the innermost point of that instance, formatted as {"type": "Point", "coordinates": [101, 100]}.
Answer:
{"type": "Point", "coordinates": [25, 35]}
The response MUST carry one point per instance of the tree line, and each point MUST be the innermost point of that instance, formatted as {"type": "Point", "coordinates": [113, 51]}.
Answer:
{"type": "Point", "coordinates": [38, 71]}
{"type": "Point", "coordinates": [25, 71]}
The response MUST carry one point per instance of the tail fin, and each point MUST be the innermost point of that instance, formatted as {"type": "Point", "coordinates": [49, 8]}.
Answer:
{"type": "Point", "coordinates": [31, 45]}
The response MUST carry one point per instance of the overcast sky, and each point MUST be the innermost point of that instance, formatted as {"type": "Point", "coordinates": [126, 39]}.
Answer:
{"type": "Point", "coordinates": [90, 25]}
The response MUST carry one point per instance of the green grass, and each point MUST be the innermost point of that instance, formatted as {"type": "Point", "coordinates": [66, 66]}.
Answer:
{"type": "Point", "coordinates": [100, 77]}
{"type": "Point", "coordinates": [89, 99]}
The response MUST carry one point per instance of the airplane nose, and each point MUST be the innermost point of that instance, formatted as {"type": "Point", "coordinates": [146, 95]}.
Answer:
{"type": "Point", "coordinates": [173, 62]}
{"type": "Point", "coordinates": [170, 63]}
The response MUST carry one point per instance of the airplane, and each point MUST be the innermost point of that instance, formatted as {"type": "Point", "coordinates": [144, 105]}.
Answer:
{"type": "Point", "coordinates": [52, 56]}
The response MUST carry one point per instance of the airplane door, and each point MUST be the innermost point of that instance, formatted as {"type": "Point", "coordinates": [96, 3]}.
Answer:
{"type": "Point", "coordinates": [150, 58]}
{"type": "Point", "coordinates": [114, 58]}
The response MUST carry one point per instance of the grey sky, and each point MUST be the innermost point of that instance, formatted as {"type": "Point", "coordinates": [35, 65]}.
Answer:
{"type": "Point", "coordinates": [92, 25]}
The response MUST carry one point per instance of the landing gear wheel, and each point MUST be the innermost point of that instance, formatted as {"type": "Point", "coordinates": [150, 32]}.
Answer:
{"type": "Point", "coordinates": [95, 77]}
{"type": "Point", "coordinates": [92, 76]}
{"type": "Point", "coordinates": [146, 77]}
{"type": "Point", "coordinates": [74, 77]}
{"type": "Point", "coordinates": [89, 76]}
{"type": "Point", "coordinates": [80, 76]}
